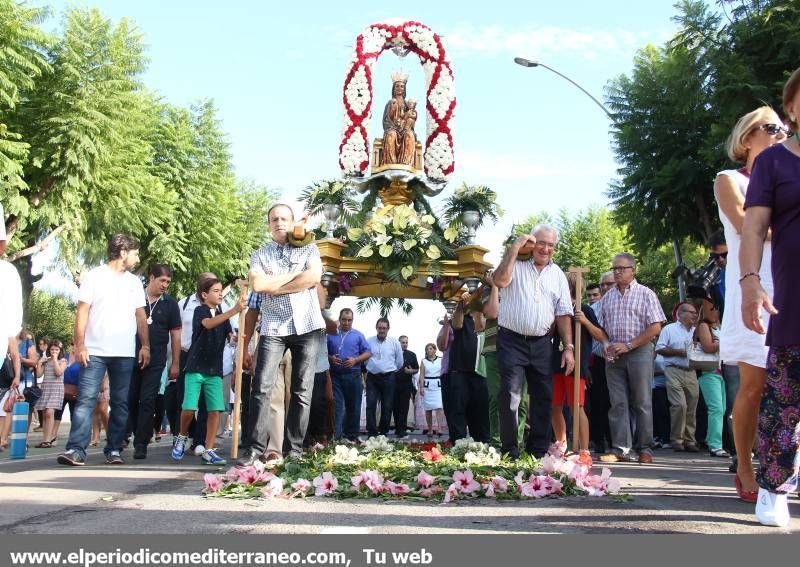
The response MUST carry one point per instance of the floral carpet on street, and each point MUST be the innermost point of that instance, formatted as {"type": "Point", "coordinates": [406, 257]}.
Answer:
{"type": "Point", "coordinates": [417, 471]}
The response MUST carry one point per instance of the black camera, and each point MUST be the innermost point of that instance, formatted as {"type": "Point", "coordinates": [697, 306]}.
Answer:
{"type": "Point", "coordinates": [703, 279]}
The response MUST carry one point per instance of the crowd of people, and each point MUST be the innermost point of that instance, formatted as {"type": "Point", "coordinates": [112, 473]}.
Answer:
{"type": "Point", "coordinates": [506, 370]}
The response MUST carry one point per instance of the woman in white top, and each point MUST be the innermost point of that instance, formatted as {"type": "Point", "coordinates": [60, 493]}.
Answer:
{"type": "Point", "coordinates": [753, 133]}
{"type": "Point", "coordinates": [430, 388]}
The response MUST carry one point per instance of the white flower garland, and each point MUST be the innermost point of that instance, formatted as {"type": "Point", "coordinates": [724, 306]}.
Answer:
{"type": "Point", "coordinates": [440, 104]}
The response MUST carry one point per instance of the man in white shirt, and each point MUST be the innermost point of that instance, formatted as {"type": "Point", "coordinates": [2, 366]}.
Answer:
{"type": "Point", "coordinates": [534, 294]}
{"type": "Point", "coordinates": [683, 391]}
{"type": "Point", "coordinates": [386, 360]}
{"type": "Point", "coordinates": [109, 316]}
{"type": "Point", "coordinates": [10, 322]}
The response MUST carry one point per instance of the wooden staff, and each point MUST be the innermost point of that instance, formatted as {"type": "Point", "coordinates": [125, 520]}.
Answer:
{"type": "Point", "coordinates": [576, 386]}
{"type": "Point", "coordinates": [237, 372]}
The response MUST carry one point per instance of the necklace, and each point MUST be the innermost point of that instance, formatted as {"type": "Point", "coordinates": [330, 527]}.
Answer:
{"type": "Point", "coordinates": [151, 308]}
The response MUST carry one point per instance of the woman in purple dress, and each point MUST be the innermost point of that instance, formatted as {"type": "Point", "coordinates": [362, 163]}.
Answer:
{"type": "Point", "coordinates": [773, 202]}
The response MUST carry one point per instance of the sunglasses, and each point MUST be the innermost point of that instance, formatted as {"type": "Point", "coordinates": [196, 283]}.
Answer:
{"type": "Point", "coordinates": [720, 255]}
{"type": "Point", "coordinates": [774, 129]}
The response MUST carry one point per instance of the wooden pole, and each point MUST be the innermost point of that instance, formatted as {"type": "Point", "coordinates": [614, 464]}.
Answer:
{"type": "Point", "coordinates": [576, 386]}
{"type": "Point", "coordinates": [237, 373]}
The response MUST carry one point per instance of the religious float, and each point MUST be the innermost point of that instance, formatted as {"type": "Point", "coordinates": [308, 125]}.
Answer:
{"type": "Point", "coordinates": [392, 244]}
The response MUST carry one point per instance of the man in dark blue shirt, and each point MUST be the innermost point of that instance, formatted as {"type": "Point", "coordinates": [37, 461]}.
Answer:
{"type": "Point", "coordinates": [347, 351]}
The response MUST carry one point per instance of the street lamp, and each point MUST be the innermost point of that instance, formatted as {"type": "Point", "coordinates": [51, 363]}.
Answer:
{"type": "Point", "coordinates": [676, 246]}
{"type": "Point", "coordinates": [528, 63]}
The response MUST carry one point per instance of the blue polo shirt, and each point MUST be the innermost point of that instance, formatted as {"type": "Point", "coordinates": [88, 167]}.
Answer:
{"type": "Point", "coordinates": [347, 345]}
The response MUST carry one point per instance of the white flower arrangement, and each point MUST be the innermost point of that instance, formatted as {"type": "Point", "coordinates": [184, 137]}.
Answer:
{"type": "Point", "coordinates": [344, 455]}
{"type": "Point", "coordinates": [379, 444]}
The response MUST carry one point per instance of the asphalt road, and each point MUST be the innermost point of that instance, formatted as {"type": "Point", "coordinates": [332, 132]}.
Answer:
{"type": "Point", "coordinates": [679, 493]}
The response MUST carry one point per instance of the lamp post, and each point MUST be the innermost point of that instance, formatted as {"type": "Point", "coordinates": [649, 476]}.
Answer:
{"type": "Point", "coordinates": [532, 63]}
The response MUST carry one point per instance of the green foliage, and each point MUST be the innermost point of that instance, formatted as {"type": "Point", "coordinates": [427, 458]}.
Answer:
{"type": "Point", "coordinates": [94, 153]}
{"type": "Point", "coordinates": [385, 305]}
{"type": "Point", "coordinates": [588, 238]}
{"type": "Point", "coordinates": [471, 198]}
{"type": "Point", "coordinates": [49, 315]}
{"type": "Point", "coordinates": [329, 192]}
{"type": "Point", "coordinates": [675, 110]}
{"type": "Point", "coordinates": [21, 63]}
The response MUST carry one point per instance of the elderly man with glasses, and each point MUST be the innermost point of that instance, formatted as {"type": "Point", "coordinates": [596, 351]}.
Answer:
{"type": "Point", "coordinates": [534, 294]}
{"type": "Point", "coordinates": [632, 316]}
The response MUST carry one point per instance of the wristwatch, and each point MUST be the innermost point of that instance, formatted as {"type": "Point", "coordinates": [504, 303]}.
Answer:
{"type": "Point", "coordinates": [629, 345]}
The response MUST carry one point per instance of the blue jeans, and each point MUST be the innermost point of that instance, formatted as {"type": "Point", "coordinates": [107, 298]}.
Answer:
{"type": "Point", "coordinates": [347, 390]}
{"type": "Point", "coordinates": [380, 387]}
{"type": "Point", "coordinates": [119, 370]}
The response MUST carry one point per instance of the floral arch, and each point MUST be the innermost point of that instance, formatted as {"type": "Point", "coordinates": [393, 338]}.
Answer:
{"type": "Point", "coordinates": [440, 104]}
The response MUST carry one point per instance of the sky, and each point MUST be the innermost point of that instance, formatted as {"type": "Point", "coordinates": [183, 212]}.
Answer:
{"type": "Point", "coordinates": [275, 71]}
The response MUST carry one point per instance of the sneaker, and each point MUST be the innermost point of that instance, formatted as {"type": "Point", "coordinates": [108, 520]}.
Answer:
{"type": "Point", "coordinates": [211, 458]}
{"type": "Point", "coordinates": [199, 450]}
{"type": "Point", "coordinates": [114, 458]}
{"type": "Point", "coordinates": [140, 452]}
{"type": "Point", "coordinates": [772, 509]}
{"type": "Point", "coordinates": [179, 447]}
{"type": "Point", "coordinates": [71, 458]}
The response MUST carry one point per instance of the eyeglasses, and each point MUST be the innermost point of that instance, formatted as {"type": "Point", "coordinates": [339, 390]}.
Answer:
{"type": "Point", "coordinates": [774, 129]}
{"type": "Point", "coordinates": [719, 255]}
{"type": "Point", "coordinates": [620, 269]}
{"type": "Point", "coordinates": [607, 284]}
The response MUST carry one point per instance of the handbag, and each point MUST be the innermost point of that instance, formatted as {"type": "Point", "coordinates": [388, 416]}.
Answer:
{"type": "Point", "coordinates": [6, 372]}
{"type": "Point", "coordinates": [13, 397]}
{"type": "Point", "coordinates": [31, 394]}
{"type": "Point", "coordinates": [70, 392]}
{"type": "Point", "coordinates": [700, 359]}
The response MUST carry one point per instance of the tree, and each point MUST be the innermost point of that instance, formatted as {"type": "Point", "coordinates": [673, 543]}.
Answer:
{"type": "Point", "coordinates": [662, 116]}
{"type": "Point", "coordinates": [674, 112]}
{"type": "Point", "coordinates": [95, 153]}
{"type": "Point", "coordinates": [50, 316]}
{"type": "Point", "coordinates": [588, 238]}
{"type": "Point", "coordinates": [21, 63]}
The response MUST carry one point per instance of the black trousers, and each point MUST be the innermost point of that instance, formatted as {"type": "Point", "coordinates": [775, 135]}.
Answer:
{"type": "Point", "coordinates": [158, 418]}
{"type": "Point", "coordinates": [403, 390]}
{"type": "Point", "coordinates": [444, 382]}
{"type": "Point", "coordinates": [661, 419]}
{"type": "Point", "coordinates": [174, 402]}
{"type": "Point", "coordinates": [600, 402]}
{"type": "Point", "coordinates": [469, 406]}
{"type": "Point", "coordinates": [145, 383]}
{"type": "Point", "coordinates": [244, 414]}
{"type": "Point", "coordinates": [380, 388]}
{"type": "Point", "coordinates": [319, 408]}
{"type": "Point", "coordinates": [524, 359]}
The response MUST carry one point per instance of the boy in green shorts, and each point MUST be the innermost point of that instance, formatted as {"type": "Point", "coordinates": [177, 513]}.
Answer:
{"type": "Point", "coordinates": [204, 368]}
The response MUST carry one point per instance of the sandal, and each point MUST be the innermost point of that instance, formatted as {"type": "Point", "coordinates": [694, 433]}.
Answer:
{"type": "Point", "coordinates": [720, 453]}
{"type": "Point", "coordinates": [44, 445]}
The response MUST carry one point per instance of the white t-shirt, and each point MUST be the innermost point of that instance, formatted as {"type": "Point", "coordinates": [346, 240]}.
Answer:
{"type": "Point", "coordinates": [113, 298]}
{"type": "Point", "coordinates": [10, 303]}
{"type": "Point", "coordinates": [187, 319]}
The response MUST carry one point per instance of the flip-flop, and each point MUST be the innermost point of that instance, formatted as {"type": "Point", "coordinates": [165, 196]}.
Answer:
{"type": "Point", "coordinates": [44, 445]}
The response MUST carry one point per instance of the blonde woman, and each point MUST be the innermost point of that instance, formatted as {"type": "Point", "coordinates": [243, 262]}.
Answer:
{"type": "Point", "coordinates": [754, 132]}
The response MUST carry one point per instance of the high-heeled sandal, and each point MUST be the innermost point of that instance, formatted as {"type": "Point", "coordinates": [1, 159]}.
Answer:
{"type": "Point", "coordinates": [745, 495]}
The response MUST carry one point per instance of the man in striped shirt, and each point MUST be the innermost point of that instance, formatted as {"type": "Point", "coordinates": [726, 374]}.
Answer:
{"type": "Point", "coordinates": [533, 295]}
{"type": "Point", "coordinates": [632, 316]}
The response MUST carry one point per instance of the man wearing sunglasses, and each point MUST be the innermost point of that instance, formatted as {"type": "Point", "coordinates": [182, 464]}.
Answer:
{"type": "Point", "coordinates": [719, 252]}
